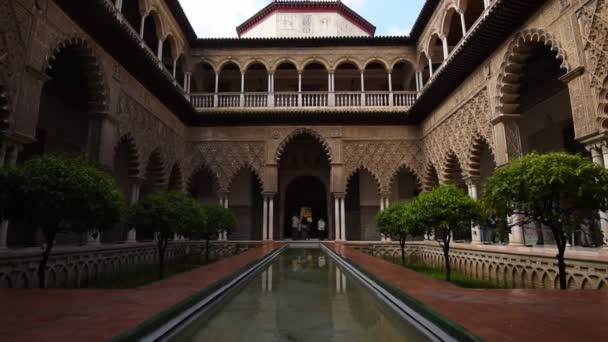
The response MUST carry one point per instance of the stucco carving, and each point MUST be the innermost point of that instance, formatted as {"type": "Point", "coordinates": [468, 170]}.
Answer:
{"type": "Point", "coordinates": [15, 28]}
{"type": "Point", "coordinates": [593, 19]}
{"type": "Point", "coordinates": [460, 130]}
{"type": "Point", "coordinates": [288, 137]}
{"type": "Point", "coordinates": [148, 131]}
{"type": "Point", "coordinates": [226, 159]}
{"type": "Point", "coordinates": [383, 159]}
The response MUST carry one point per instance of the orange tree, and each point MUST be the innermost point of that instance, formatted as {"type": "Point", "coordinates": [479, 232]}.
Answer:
{"type": "Point", "coordinates": [397, 221]}
{"type": "Point", "coordinates": [443, 212]}
{"type": "Point", "coordinates": [58, 193]}
{"type": "Point", "coordinates": [559, 190]}
{"type": "Point", "coordinates": [163, 214]}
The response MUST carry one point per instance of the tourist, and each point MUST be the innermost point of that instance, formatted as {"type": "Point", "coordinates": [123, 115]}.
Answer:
{"type": "Point", "coordinates": [321, 229]}
{"type": "Point", "coordinates": [295, 226]}
{"type": "Point", "coordinates": [304, 228]}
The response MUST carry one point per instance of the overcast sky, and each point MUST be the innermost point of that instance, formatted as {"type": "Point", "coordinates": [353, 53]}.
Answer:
{"type": "Point", "coordinates": [219, 18]}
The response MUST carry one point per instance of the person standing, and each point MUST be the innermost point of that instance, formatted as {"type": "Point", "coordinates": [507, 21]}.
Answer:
{"type": "Point", "coordinates": [295, 227]}
{"type": "Point", "coordinates": [321, 229]}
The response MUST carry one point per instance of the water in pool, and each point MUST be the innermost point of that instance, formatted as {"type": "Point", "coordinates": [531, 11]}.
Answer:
{"type": "Point", "coordinates": [301, 296]}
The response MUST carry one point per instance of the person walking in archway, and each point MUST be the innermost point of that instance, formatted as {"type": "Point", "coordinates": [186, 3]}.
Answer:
{"type": "Point", "coordinates": [321, 229]}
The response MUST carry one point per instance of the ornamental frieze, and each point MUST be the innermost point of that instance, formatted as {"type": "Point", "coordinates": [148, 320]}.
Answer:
{"type": "Point", "coordinates": [593, 19]}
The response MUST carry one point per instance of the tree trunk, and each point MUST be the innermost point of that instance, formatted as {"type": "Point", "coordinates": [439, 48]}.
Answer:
{"type": "Point", "coordinates": [561, 262]}
{"type": "Point", "coordinates": [207, 251]}
{"type": "Point", "coordinates": [402, 243]}
{"type": "Point", "coordinates": [446, 255]}
{"type": "Point", "coordinates": [49, 236]}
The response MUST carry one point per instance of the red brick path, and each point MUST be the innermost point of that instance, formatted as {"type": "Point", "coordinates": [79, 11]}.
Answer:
{"type": "Point", "coordinates": [500, 315]}
{"type": "Point", "coordinates": [98, 315]}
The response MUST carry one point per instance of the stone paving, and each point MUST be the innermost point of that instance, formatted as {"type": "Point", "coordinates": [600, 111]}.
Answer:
{"type": "Point", "coordinates": [500, 315]}
{"type": "Point", "coordinates": [98, 315]}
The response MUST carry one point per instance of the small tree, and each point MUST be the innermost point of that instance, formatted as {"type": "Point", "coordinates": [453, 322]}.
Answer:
{"type": "Point", "coordinates": [219, 220]}
{"type": "Point", "coordinates": [397, 222]}
{"type": "Point", "coordinates": [163, 214]}
{"type": "Point", "coordinates": [445, 211]}
{"type": "Point", "coordinates": [559, 190]}
{"type": "Point", "coordinates": [59, 193]}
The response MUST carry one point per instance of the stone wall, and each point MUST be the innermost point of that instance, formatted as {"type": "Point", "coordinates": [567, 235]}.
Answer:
{"type": "Point", "coordinates": [506, 266]}
{"type": "Point", "coordinates": [77, 266]}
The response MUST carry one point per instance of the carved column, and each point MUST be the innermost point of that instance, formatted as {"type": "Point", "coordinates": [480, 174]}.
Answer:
{"type": "Point", "coordinates": [507, 137]}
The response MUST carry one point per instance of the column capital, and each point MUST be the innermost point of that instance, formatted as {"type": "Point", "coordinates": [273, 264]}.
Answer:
{"type": "Point", "coordinates": [138, 180]}
{"type": "Point", "coordinates": [385, 194]}
{"type": "Point", "coordinates": [472, 180]}
{"type": "Point", "coordinates": [339, 195]}
{"type": "Point", "coordinates": [269, 195]}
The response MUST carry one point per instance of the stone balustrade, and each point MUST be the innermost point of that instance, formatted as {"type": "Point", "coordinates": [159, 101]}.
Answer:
{"type": "Point", "coordinates": [372, 99]}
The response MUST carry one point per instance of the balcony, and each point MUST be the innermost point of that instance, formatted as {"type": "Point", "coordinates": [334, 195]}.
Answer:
{"type": "Point", "coordinates": [386, 100]}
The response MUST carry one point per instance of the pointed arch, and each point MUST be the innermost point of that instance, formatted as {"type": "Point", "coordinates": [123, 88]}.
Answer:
{"type": "Point", "coordinates": [511, 71]}
{"type": "Point", "coordinates": [303, 131]}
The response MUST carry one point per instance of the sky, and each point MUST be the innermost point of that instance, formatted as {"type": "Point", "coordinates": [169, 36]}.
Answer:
{"type": "Point", "coordinates": [219, 18]}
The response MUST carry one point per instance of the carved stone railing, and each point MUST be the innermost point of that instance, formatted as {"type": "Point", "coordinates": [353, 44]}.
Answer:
{"type": "Point", "coordinates": [281, 100]}
{"type": "Point", "coordinates": [73, 267]}
{"type": "Point", "coordinates": [506, 266]}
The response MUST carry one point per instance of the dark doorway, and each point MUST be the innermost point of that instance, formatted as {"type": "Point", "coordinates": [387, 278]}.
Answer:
{"type": "Point", "coordinates": [310, 192]}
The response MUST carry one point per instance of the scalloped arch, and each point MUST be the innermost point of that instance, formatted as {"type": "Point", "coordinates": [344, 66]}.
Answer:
{"type": "Point", "coordinates": [431, 177]}
{"type": "Point", "coordinates": [360, 168]}
{"type": "Point", "coordinates": [408, 168]}
{"type": "Point", "coordinates": [129, 142]}
{"type": "Point", "coordinates": [203, 167]}
{"type": "Point", "coordinates": [248, 167]}
{"type": "Point", "coordinates": [512, 67]}
{"type": "Point", "coordinates": [303, 131]}
{"type": "Point", "coordinates": [450, 164]}
{"type": "Point", "coordinates": [478, 145]}
{"type": "Point", "coordinates": [96, 84]}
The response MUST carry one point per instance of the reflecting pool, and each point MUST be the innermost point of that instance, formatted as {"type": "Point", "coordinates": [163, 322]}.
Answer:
{"type": "Point", "coordinates": [301, 296]}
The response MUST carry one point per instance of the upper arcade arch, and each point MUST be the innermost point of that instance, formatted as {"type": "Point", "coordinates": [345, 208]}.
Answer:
{"type": "Point", "coordinates": [348, 60]}
{"type": "Point", "coordinates": [313, 61]}
{"type": "Point", "coordinates": [375, 62]}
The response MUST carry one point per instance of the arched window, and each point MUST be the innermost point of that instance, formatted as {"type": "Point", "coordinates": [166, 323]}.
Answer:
{"type": "Point", "coordinates": [256, 78]}
{"type": "Point", "coordinates": [152, 32]}
{"type": "Point", "coordinates": [132, 12]}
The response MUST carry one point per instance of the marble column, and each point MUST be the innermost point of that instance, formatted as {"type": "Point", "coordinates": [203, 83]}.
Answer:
{"type": "Point", "coordinates": [463, 23]}
{"type": "Point", "coordinates": [516, 234]}
{"type": "Point", "coordinates": [337, 229]}
{"type": "Point", "coordinates": [603, 215]}
{"type": "Point", "coordinates": [342, 219]}
{"type": "Point", "coordinates": [216, 97]}
{"type": "Point", "coordinates": [473, 187]}
{"type": "Point", "coordinates": [299, 89]}
{"type": "Point", "coordinates": [265, 220]}
{"type": "Point", "coordinates": [390, 88]}
{"type": "Point", "coordinates": [135, 191]}
{"type": "Point", "coordinates": [271, 218]}
{"type": "Point", "coordinates": [362, 88]}
{"type": "Point", "coordinates": [446, 51]}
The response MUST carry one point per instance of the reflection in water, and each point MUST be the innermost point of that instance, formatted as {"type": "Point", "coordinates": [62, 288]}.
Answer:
{"type": "Point", "coordinates": [294, 299]}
